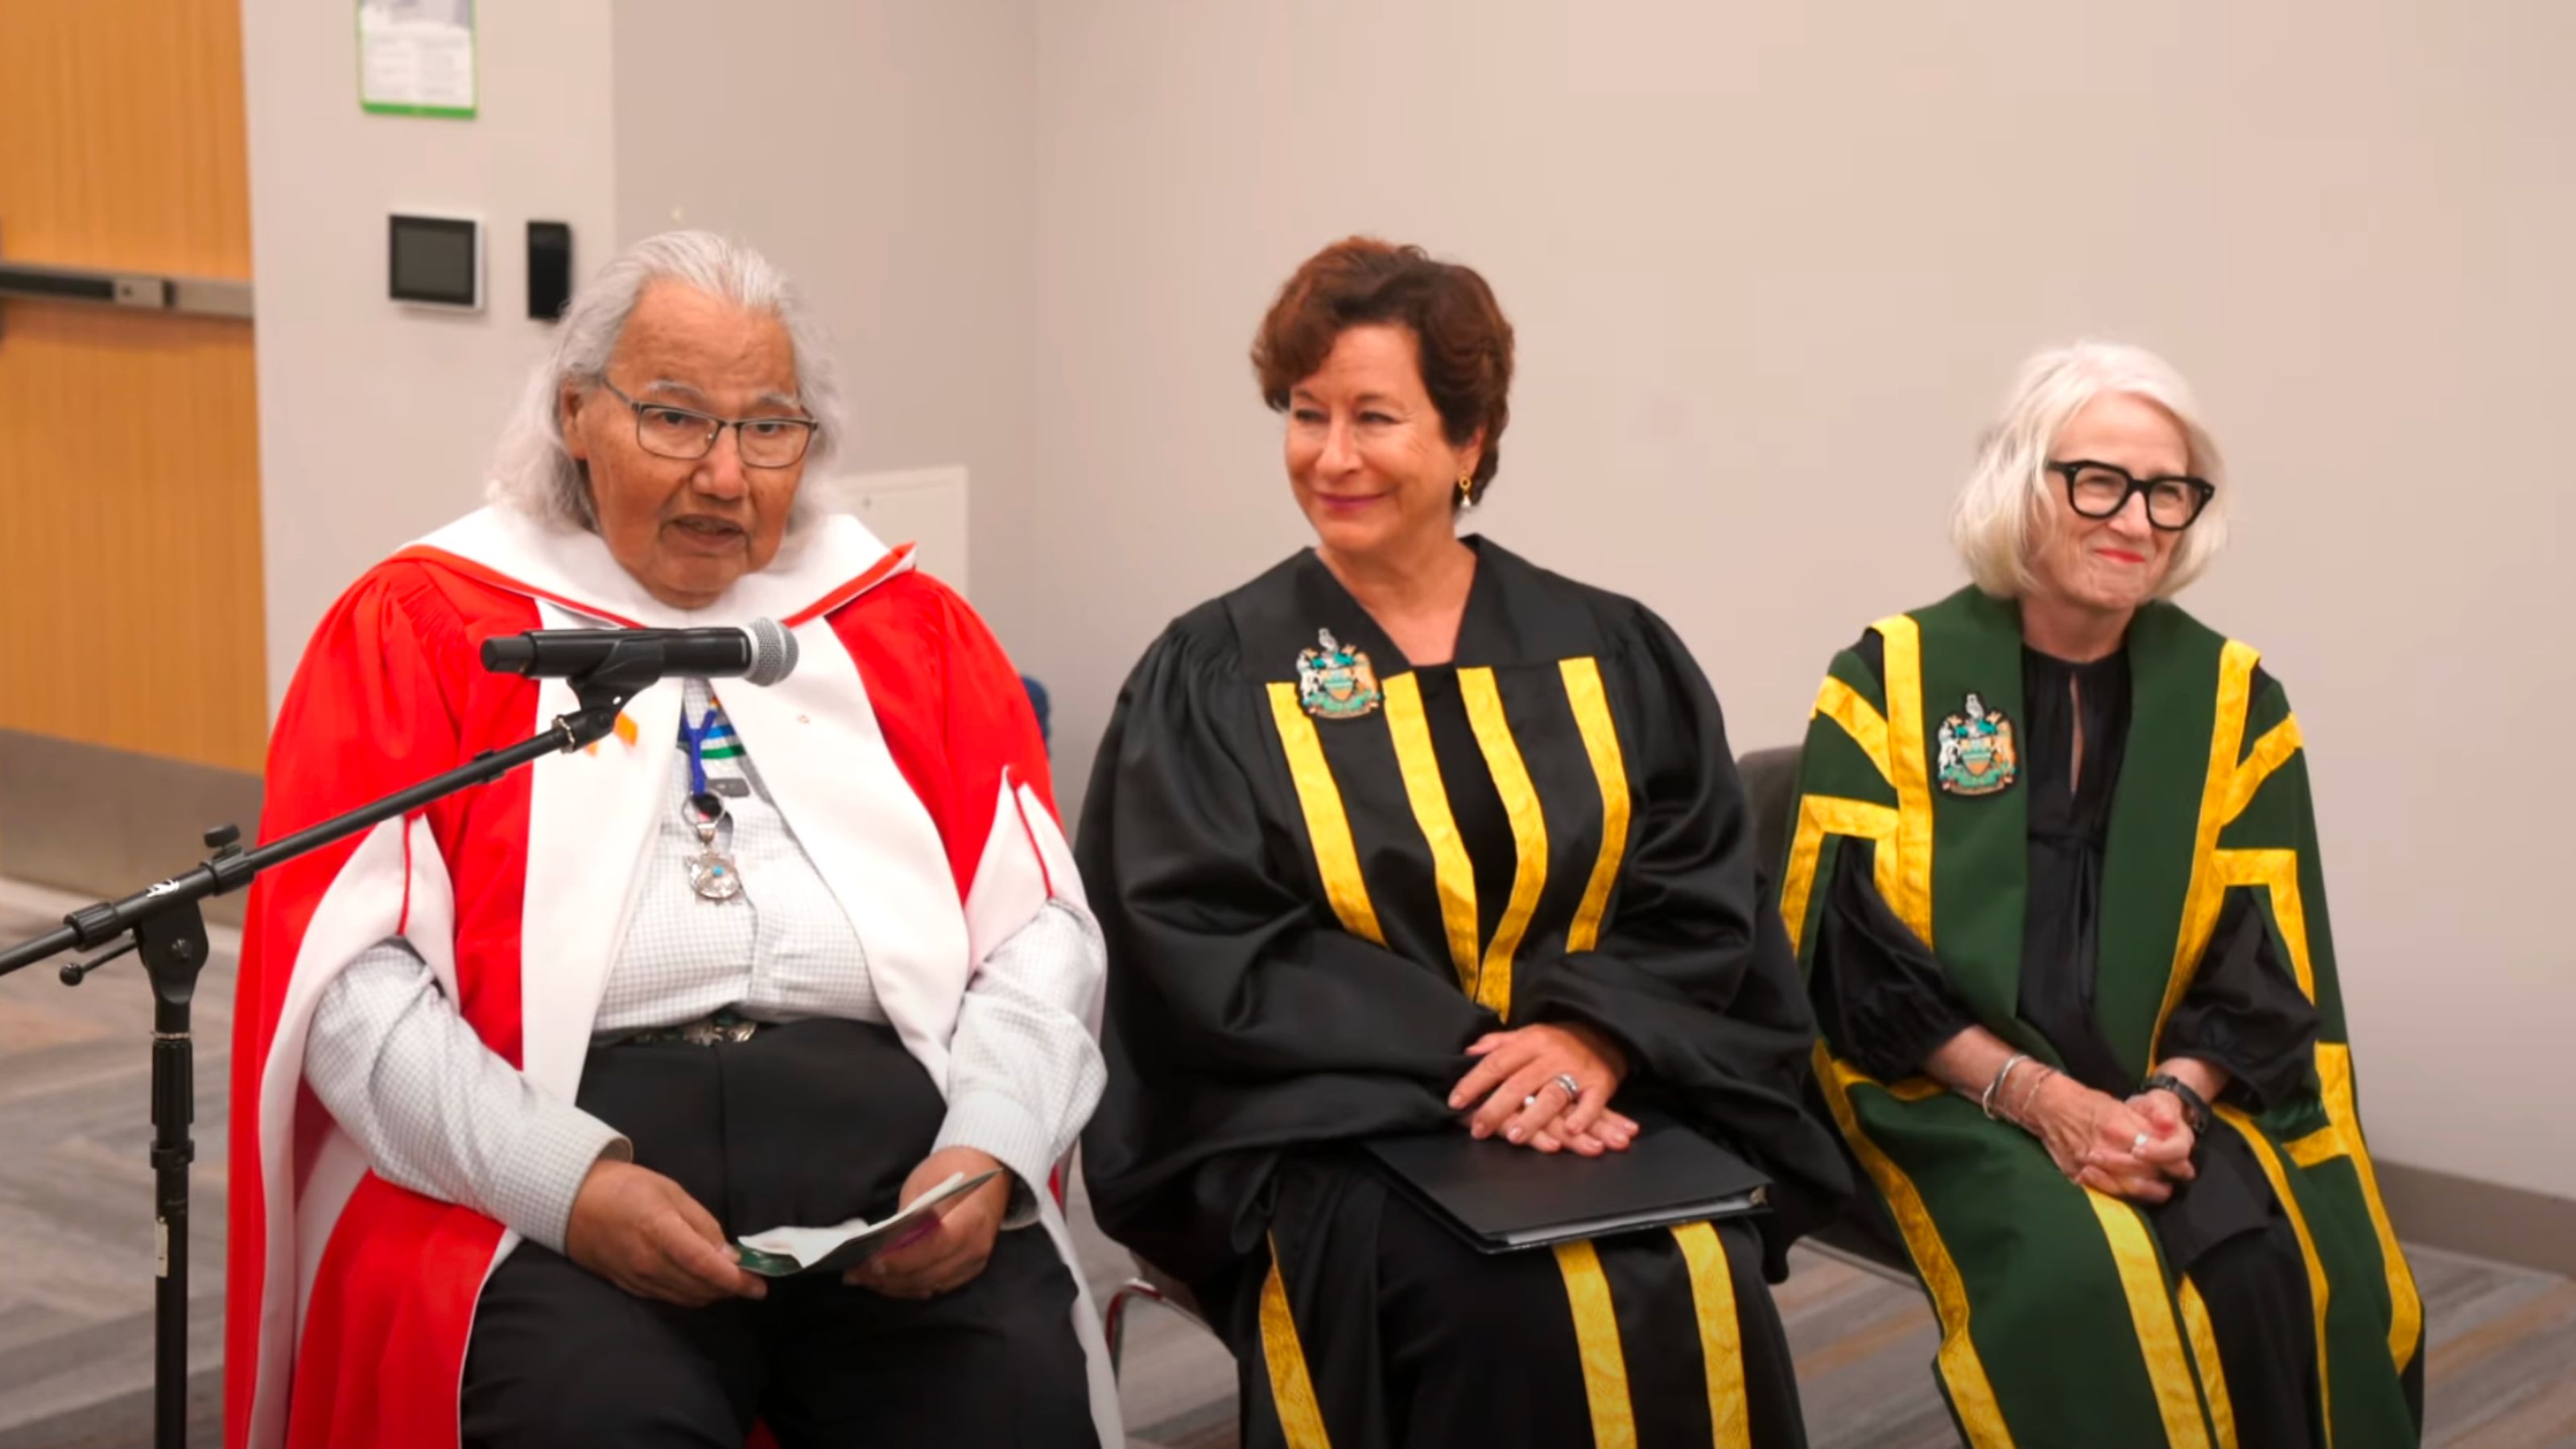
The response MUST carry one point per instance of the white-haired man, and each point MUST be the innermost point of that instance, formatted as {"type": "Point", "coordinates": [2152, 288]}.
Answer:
{"type": "Point", "coordinates": [516, 1073]}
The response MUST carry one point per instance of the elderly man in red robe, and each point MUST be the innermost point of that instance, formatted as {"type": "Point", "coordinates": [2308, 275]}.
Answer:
{"type": "Point", "coordinates": [515, 1074]}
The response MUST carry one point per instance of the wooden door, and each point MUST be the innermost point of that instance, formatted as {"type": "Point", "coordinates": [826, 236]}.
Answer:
{"type": "Point", "coordinates": [130, 586]}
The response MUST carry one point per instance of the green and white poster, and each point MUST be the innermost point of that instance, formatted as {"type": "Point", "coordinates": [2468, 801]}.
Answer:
{"type": "Point", "coordinates": [416, 57]}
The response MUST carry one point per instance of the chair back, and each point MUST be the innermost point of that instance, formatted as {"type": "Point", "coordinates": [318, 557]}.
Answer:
{"type": "Point", "coordinates": [1771, 792]}
{"type": "Point", "coordinates": [1864, 1236]}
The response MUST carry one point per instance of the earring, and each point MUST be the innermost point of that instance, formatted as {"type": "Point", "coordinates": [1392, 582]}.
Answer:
{"type": "Point", "coordinates": [1466, 490]}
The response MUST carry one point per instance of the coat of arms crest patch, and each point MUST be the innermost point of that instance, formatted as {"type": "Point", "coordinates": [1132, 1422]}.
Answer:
{"type": "Point", "coordinates": [1335, 681]}
{"type": "Point", "coordinates": [1978, 754]}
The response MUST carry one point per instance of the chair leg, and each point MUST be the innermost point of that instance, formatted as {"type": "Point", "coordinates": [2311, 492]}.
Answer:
{"type": "Point", "coordinates": [1113, 1317]}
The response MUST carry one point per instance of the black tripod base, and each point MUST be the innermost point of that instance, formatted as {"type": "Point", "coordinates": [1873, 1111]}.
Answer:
{"type": "Point", "coordinates": [167, 929]}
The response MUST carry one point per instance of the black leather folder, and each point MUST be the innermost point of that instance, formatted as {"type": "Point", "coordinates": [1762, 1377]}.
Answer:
{"type": "Point", "coordinates": [1502, 1198]}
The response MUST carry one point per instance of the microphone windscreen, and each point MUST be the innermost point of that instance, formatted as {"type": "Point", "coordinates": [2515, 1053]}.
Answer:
{"type": "Point", "coordinates": [773, 652]}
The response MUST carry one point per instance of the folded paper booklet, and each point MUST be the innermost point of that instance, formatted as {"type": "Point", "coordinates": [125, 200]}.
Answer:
{"type": "Point", "coordinates": [781, 1252]}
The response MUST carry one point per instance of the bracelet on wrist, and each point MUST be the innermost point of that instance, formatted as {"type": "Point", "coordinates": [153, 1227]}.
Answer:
{"type": "Point", "coordinates": [2039, 1078]}
{"type": "Point", "coordinates": [1986, 1103]}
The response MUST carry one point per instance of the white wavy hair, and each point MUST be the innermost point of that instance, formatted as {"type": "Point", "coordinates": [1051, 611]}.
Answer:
{"type": "Point", "coordinates": [534, 473]}
{"type": "Point", "coordinates": [2001, 517]}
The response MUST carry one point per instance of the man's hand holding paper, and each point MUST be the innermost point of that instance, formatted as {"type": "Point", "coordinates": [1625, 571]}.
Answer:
{"type": "Point", "coordinates": [949, 1255]}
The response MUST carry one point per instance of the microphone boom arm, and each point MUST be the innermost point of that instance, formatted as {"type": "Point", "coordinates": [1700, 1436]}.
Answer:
{"type": "Point", "coordinates": [167, 928]}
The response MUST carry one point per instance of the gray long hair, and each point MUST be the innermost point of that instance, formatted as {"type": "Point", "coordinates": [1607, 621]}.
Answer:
{"type": "Point", "coordinates": [534, 473]}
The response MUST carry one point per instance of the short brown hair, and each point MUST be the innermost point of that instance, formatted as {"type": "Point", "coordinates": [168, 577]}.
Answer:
{"type": "Point", "coordinates": [1460, 333]}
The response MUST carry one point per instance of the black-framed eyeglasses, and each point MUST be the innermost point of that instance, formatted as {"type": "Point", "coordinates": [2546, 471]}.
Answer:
{"type": "Point", "coordinates": [687, 434]}
{"type": "Point", "coordinates": [2101, 490]}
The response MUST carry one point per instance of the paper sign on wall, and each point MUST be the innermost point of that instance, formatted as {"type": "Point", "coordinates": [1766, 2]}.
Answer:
{"type": "Point", "coordinates": [416, 57]}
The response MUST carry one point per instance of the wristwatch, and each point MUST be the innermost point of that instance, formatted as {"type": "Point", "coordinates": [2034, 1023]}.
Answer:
{"type": "Point", "coordinates": [2195, 1107]}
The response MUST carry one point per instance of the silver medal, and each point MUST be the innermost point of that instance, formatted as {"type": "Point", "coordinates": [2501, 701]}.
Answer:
{"type": "Point", "coordinates": [713, 877]}
{"type": "Point", "coordinates": [712, 873]}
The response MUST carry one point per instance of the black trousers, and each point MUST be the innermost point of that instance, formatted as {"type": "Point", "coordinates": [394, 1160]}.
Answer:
{"type": "Point", "coordinates": [805, 1124]}
{"type": "Point", "coordinates": [1411, 1339]}
{"type": "Point", "coordinates": [2227, 1234]}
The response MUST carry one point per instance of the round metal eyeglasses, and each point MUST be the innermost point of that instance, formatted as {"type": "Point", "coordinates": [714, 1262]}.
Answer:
{"type": "Point", "coordinates": [687, 434]}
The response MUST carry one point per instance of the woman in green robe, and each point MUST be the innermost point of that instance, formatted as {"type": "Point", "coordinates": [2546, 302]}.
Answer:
{"type": "Point", "coordinates": [2053, 876]}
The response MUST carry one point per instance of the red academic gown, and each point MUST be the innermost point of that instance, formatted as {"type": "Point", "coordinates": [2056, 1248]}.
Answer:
{"type": "Point", "coordinates": [901, 749]}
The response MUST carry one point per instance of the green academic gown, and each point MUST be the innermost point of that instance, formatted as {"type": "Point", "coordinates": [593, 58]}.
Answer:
{"type": "Point", "coordinates": [2061, 1320]}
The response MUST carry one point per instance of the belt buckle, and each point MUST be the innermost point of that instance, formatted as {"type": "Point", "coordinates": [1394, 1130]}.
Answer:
{"type": "Point", "coordinates": [717, 1029]}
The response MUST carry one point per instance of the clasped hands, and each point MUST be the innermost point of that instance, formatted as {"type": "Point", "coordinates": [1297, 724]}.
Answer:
{"type": "Point", "coordinates": [2136, 1149]}
{"type": "Point", "coordinates": [1513, 1090]}
{"type": "Point", "coordinates": [643, 1232]}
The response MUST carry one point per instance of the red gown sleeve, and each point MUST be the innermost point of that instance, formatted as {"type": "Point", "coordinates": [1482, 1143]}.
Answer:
{"type": "Point", "coordinates": [386, 695]}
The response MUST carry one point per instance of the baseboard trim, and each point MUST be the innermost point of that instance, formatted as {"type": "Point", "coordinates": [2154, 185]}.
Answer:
{"type": "Point", "coordinates": [97, 821]}
{"type": "Point", "coordinates": [2482, 1219]}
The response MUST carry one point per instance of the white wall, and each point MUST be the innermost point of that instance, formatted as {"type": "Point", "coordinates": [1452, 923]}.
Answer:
{"type": "Point", "coordinates": [1771, 266]}
{"type": "Point", "coordinates": [376, 420]}
{"type": "Point", "coordinates": [881, 152]}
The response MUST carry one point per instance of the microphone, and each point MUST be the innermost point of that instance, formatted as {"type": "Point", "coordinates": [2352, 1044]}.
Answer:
{"type": "Point", "coordinates": [762, 652]}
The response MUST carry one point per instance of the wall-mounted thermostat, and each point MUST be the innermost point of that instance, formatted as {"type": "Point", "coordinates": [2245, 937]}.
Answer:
{"type": "Point", "coordinates": [436, 261]}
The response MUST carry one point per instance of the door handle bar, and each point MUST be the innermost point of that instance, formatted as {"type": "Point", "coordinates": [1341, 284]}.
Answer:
{"type": "Point", "coordinates": [147, 291]}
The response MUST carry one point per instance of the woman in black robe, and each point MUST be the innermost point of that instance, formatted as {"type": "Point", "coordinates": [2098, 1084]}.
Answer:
{"type": "Point", "coordinates": [1405, 833]}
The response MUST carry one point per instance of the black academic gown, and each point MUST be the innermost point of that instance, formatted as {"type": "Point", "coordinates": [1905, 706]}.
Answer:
{"type": "Point", "coordinates": [1318, 887]}
{"type": "Point", "coordinates": [1886, 997]}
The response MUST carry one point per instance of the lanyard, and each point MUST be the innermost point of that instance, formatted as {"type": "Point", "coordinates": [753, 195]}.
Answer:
{"type": "Point", "coordinates": [712, 874]}
{"type": "Point", "coordinates": [696, 734]}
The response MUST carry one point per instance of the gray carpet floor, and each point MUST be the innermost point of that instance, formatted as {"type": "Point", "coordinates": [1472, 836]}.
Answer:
{"type": "Point", "coordinates": [76, 1268]}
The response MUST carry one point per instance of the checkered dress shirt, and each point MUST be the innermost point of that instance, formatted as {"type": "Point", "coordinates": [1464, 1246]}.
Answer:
{"type": "Point", "coordinates": [437, 1112]}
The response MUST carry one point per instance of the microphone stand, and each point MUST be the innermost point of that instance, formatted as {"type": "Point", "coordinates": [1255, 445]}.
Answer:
{"type": "Point", "coordinates": [165, 927]}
